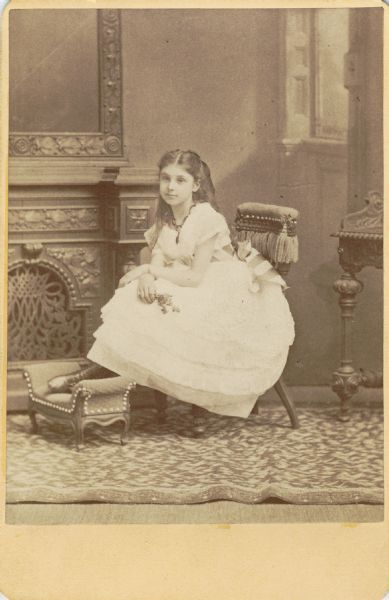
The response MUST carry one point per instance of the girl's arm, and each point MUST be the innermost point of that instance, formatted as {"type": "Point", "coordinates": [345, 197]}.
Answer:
{"type": "Point", "coordinates": [142, 270]}
{"type": "Point", "coordinates": [188, 278]}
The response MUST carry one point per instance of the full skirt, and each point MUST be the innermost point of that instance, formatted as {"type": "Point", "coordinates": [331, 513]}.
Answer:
{"type": "Point", "coordinates": [219, 345]}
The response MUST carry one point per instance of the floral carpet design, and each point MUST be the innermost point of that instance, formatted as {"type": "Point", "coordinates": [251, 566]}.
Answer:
{"type": "Point", "coordinates": [324, 462]}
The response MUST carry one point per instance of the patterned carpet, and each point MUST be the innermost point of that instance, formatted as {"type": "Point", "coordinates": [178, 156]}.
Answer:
{"type": "Point", "coordinates": [324, 462]}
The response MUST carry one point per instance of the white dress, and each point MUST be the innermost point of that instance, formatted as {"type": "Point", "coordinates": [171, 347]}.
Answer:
{"type": "Point", "coordinates": [225, 345]}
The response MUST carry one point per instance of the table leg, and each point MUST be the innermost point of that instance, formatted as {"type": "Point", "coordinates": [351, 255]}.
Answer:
{"type": "Point", "coordinates": [346, 379]}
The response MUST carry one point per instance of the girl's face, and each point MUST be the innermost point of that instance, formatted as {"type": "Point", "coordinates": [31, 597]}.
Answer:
{"type": "Point", "coordinates": [176, 185]}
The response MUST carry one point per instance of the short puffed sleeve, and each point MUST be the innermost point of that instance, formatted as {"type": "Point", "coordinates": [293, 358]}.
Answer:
{"type": "Point", "coordinates": [211, 223]}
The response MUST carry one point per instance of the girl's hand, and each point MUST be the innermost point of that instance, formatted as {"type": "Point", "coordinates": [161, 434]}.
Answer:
{"type": "Point", "coordinates": [146, 288]}
{"type": "Point", "coordinates": [133, 274]}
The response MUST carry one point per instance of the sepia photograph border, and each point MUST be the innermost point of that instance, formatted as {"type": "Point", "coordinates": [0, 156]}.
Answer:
{"type": "Point", "coordinates": [342, 560]}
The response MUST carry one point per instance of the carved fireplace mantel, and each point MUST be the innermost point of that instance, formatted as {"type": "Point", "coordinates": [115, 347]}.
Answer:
{"type": "Point", "coordinates": [77, 210]}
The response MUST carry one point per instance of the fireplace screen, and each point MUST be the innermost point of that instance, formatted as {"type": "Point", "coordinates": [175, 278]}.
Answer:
{"type": "Point", "coordinates": [40, 324]}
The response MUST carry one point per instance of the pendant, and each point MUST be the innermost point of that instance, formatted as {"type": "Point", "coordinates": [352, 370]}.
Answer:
{"type": "Point", "coordinates": [179, 227]}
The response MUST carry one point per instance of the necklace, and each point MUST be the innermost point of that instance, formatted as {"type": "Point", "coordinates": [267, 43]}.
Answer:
{"type": "Point", "coordinates": [179, 227]}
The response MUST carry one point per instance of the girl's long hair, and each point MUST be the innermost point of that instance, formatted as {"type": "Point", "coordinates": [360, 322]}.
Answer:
{"type": "Point", "coordinates": [200, 172]}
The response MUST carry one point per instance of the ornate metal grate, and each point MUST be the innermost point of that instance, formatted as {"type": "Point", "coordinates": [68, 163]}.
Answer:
{"type": "Point", "coordinates": [40, 323]}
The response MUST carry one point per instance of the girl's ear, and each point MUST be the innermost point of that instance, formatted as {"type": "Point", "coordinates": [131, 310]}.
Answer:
{"type": "Point", "coordinates": [196, 186]}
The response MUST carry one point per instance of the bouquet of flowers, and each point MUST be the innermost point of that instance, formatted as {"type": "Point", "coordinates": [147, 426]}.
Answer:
{"type": "Point", "coordinates": [165, 301]}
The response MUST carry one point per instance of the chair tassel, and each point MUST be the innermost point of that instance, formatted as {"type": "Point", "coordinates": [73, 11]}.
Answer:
{"type": "Point", "coordinates": [276, 247]}
{"type": "Point", "coordinates": [286, 248]}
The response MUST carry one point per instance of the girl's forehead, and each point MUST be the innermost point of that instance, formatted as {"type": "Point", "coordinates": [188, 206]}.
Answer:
{"type": "Point", "coordinates": [175, 169]}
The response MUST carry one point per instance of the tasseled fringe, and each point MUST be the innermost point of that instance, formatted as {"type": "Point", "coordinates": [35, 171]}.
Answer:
{"type": "Point", "coordinates": [276, 247]}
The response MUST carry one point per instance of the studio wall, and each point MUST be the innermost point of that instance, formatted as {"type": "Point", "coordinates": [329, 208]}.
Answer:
{"type": "Point", "coordinates": [200, 79]}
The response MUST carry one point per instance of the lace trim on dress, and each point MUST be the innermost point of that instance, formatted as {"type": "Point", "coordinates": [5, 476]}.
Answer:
{"type": "Point", "coordinates": [218, 402]}
{"type": "Point", "coordinates": [176, 371]}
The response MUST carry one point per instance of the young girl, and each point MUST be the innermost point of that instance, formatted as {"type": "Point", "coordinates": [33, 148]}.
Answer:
{"type": "Point", "coordinates": [196, 323]}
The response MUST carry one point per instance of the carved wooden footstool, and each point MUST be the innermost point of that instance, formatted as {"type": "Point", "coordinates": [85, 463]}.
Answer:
{"type": "Point", "coordinates": [100, 401]}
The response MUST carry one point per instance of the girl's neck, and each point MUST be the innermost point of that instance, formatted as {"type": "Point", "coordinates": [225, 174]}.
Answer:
{"type": "Point", "coordinates": [181, 211]}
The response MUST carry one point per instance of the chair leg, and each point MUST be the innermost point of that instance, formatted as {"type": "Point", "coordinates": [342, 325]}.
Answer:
{"type": "Point", "coordinates": [32, 415]}
{"type": "Point", "coordinates": [161, 405]}
{"type": "Point", "coordinates": [124, 438]}
{"type": "Point", "coordinates": [287, 401]}
{"type": "Point", "coordinates": [79, 434]}
{"type": "Point", "coordinates": [198, 419]}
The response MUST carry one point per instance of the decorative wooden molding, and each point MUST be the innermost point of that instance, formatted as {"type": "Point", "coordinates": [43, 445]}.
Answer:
{"type": "Point", "coordinates": [357, 253]}
{"type": "Point", "coordinates": [368, 220]}
{"type": "Point", "coordinates": [64, 144]}
{"type": "Point", "coordinates": [127, 257]}
{"type": "Point", "coordinates": [84, 263]}
{"type": "Point", "coordinates": [48, 171]}
{"type": "Point", "coordinates": [32, 251]}
{"type": "Point", "coordinates": [137, 218]}
{"type": "Point", "coordinates": [361, 236]}
{"type": "Point", "coordinates": [109, 141]}
{"type": "Point", "coordinates": [367, 223]}
{"type": "Point", "coordinates": [111, 220]}
{"type": "Point", "coordinates": [111, 85]}
{"type": "Point", "coordinates": [53, 219]}
{"type": "Point", "coordinates": [137, 176]}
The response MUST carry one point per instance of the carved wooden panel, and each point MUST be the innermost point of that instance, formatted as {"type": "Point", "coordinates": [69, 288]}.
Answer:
{"type": "Point", "coordinates": [55, 219]}
{"type": "Point", "coordinates": [357, 253]}
{"type": "Point", "coordinates": [137, 219]}
{"type": "Point", "coordinates": [361, 236]}
{"type": "Point", "coordinates": [127, 257]}
{"type": "Point", "coordinates": [77, 233]}
{"type": "Point", "coordinates": [84, 263]}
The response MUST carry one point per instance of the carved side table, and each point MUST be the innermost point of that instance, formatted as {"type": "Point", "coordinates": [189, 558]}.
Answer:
{"type": "Point", "coordinates": [360, 245]}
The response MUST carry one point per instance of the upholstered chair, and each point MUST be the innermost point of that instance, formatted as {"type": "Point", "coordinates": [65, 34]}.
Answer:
{"type": "Point", "coordinates": [271, 230]}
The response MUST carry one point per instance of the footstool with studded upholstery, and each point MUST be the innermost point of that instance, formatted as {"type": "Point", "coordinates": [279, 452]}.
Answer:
{"type": "Point", "coordinates": [84, 399]}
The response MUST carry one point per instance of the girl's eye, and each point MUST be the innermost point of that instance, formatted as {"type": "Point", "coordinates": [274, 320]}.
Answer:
{"type": "Point", "coordinates": [181, 180]}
